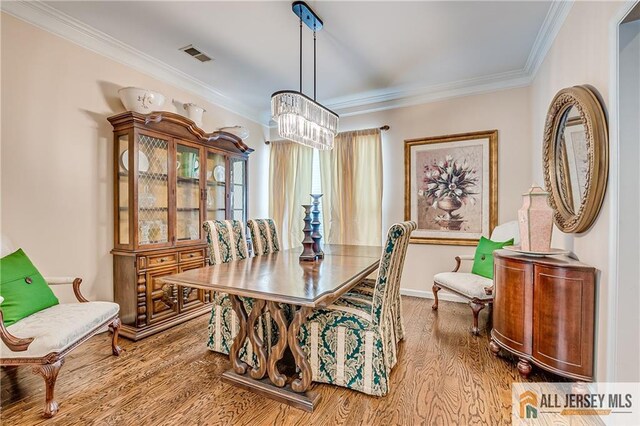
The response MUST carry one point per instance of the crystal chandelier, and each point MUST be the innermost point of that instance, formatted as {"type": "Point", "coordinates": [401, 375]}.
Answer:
{"type": "Point", "coordinates": [300, 118]}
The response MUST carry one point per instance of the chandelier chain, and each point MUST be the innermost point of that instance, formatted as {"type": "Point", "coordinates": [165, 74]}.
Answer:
{"type": "Point", "coordinates": [300, 55]}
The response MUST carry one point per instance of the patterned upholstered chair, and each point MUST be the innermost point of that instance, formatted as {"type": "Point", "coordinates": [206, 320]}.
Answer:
{"type": "Point", "coordinates": [264, 236]}
{"type": "Point", "coordinates": [227, 243]}
{"type": "Point", "coordinates": [353, 342]}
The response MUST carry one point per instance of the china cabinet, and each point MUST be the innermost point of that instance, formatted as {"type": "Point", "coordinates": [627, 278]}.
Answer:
{"type": "Point", "coordinates": [169, 177]}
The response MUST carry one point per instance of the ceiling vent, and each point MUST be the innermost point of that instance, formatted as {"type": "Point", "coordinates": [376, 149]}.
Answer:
{"type": "Point", "coordinates": [196, 53]}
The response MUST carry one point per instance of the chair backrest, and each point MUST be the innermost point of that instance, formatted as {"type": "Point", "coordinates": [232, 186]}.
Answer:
{"type": "Point", "coordinates": [390, 268]}
{"type": "Point", "coordinates": [226, 241]}
{"type": "Point", "coordinates": [7, 246]}
{"type": "Point", "coordinates": [506, 231]}
{"type": "Point", "coordinates": [263, 236]}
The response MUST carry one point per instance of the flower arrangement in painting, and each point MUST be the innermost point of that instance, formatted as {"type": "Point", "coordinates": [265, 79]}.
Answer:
{"type": "Point", "coordinates": [447, 185]}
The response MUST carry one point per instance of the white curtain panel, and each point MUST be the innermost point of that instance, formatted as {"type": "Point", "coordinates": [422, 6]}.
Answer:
{"type": "Point", "coordinates": [289, 188]}
{"type": "Point", "coordinates": [351, 175]}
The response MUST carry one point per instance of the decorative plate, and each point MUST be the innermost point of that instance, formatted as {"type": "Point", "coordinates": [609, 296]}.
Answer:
{"type": "Point", "coordinates": [218, 173]}
{"type": "Point", "coordinates": [552, 252]}
{"type": "Point", "coordinates": [143, 161]}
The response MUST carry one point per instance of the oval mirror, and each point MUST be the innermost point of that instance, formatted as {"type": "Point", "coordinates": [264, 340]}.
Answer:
{"type": "Point", "coordinates": [576, 157]}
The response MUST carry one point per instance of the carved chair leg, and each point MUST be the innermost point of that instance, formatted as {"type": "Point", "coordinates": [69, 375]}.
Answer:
{"type": "Point", "coordinates": [50, 373]}
{"type": "Point", "coordinates": [435, 290]}
{"type": "Point", "coordinates": [476, 308]}
{"type": "Point", "coordinates": [115, 329]}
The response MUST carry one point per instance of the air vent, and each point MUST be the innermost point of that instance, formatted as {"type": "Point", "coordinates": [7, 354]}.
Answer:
{"type": "Point", "coordinates": [196, 53]}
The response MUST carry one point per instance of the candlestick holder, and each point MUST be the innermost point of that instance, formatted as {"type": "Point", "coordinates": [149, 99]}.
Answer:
{"type": "Point", "coordinates": [308, 254]}
{"type": "Point", "coordinates": [315, 226]}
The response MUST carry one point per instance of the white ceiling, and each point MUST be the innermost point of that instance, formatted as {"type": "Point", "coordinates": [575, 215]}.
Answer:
{"type": "Point", "coordinates": [367, 52]}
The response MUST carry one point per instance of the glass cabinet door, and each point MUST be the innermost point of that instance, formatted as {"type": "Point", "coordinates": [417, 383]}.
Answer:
{"type": "Point", "coordinates": [153, 190]}
{"type": "Point", "coordinates": [188, 226]}
{"type": "Point", "coordinates": [216, 201]}
{"type": "Point", "coordinates": [238, 189]}
{"type": "Point", "coordinates": [122, 221]}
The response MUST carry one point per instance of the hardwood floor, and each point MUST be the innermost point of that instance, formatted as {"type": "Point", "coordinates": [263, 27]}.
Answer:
{"type": "Point", "coordinates": [444, 376]}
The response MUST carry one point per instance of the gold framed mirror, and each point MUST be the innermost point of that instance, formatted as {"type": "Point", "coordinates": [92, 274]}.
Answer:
{"type": "Point", "coordinates": [576, 157]}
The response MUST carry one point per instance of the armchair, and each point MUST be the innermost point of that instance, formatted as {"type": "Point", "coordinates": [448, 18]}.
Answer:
{"type": "Point", "coordinates": [44, 338]}
{"type": "Point", "coordinates": [475, 288]}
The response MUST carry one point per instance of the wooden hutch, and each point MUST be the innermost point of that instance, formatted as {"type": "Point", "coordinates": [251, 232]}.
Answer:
{"type": "Point", "coordinates": [178, 177]}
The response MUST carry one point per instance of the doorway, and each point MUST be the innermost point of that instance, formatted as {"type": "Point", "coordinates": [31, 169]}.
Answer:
{"type": "Point", "coordinates": [626, 365]}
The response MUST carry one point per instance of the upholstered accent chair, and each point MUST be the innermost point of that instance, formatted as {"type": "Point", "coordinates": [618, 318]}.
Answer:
{"type": "Point", "coordinates": [43, 339]}
{"type": "Point", "coordinates": [476, 289]}
{"type": "Point", "coordinates": [227, 243]}
{"type": "Point", "coordinates": [264, 236]}
{"type": "Point", "coordinates": [353, 342]}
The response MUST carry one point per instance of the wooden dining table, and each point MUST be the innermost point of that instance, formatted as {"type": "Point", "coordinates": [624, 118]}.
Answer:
{"type": "Point", "coordinates": [271, 281]}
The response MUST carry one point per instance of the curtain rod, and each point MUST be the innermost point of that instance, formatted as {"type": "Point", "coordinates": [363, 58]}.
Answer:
{"type": "Point", "coordinates": [382, 128]}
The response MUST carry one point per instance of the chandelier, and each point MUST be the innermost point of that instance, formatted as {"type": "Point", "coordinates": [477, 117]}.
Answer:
{"type": "Point", "coordinates": [300, 118]}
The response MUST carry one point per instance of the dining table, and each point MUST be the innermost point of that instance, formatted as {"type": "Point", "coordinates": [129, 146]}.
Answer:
{"type": "Point", "coordinates": [273, 281]}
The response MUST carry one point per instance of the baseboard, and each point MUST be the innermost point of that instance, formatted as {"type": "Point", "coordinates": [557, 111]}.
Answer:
{"type": "Point", "coordinates": [442, 295]}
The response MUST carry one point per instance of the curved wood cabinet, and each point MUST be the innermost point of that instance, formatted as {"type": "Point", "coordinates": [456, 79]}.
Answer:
{"type": "Point", "coordinates": [544, 312]}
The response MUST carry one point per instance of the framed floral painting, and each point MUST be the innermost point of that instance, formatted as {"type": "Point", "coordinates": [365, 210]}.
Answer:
{"type": "Point", "coordinates": [451, 187]}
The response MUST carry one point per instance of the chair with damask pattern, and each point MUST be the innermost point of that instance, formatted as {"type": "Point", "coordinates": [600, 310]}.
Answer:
{"type": "Point", "coordinates": [353, 342]}
{"type": "Point", "coordinates": [227, 243]}
{"type": "Point", "coordinates": [264, 236]}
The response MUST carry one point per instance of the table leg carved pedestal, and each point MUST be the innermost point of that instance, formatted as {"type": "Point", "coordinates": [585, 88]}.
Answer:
{"type": "Point", "coordinates": [265, 377]}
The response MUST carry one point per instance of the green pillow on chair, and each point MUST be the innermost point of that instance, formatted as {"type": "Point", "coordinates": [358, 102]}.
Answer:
{"type": "Point", "coordinates": [24, 290]}
{"type": "Point", "coordinates": [483, 259]}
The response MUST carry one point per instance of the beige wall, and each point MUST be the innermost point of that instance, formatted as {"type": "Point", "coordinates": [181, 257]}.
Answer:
{"type": "Point", "coordinates": [56, 151]}
{"type": "Point", "coordinates": [507, 111]}
{"type": "Point", "coordinates": [580, 55]}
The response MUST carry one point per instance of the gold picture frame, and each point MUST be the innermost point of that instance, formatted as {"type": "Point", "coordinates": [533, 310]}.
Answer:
{"type": "Point", "coordinates": [576, 212]}
{"type": "Point", "coordinates": [446, 213]}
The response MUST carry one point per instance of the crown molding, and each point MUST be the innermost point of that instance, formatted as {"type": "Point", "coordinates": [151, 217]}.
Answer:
{"type": "Point", "coordinates": [550, 28]}
{"type": "Point", "coordinates": [389, 99]}
{"type": "Point", "coordinates": [380, 100]}
{"type": "Point", "coordinates": [52, 20]}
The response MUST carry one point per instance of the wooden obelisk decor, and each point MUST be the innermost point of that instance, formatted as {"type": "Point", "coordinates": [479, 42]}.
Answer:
{"type": "Point", "coordinates": [315, 226]}
{"type": "Point", "coordinates": [307, 243]}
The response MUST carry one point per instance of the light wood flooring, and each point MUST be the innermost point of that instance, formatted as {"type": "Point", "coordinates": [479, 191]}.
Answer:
{"type": "Point", "coordinates": [444, 376]}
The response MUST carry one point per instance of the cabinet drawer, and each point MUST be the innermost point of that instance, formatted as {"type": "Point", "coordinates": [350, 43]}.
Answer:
{"type": "Point", "coordinates": [191, 255]}
{"type": "Point", "coordinates": [158, 260]}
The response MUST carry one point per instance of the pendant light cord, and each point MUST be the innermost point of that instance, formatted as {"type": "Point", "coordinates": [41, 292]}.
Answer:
{"type": "Point", "coordinates": [314, 62]}
{"type": "Point", "coordinates": [300, 55]}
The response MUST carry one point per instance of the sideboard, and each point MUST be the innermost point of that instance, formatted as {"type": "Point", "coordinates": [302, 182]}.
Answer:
{"type": "Point", "coordinates": [169, 177]}
{"type": "Point", "coordinates": [544, 313]}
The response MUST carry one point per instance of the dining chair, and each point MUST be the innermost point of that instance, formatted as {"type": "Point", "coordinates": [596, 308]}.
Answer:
{"type": "Point", "coordinates": [227, 243]}
{"type": "Point", "coordinates": [476, 289]}
{"type": "Point", "coordinates": [352, 342]}
{"type": "Point", "coordinates": [264, 236]}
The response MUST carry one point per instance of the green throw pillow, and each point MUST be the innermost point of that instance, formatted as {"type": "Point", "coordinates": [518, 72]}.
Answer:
{"type": "Point", "coordinates": [483, 259]}
{"type": "Point", "coordinates": [24, 290]}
